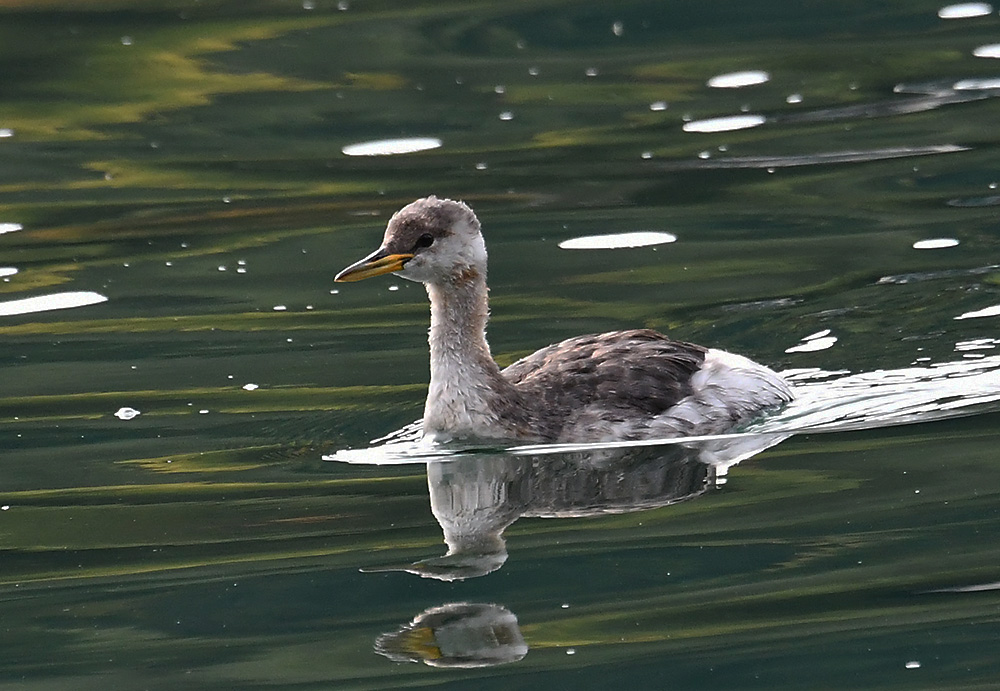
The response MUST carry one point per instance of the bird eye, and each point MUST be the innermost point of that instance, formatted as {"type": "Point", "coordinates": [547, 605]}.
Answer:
{"type": "Point", "coordinates": [425, 240]}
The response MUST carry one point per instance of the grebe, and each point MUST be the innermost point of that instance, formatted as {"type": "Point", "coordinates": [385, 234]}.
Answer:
{"type": "Point", "coordinates": [622, 385]}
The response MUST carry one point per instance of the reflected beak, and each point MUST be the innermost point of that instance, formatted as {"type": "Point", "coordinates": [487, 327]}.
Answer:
{"type": "Point", "coordinates": [375, 264]}
{"type": "Point", "coordinates": [399, 568]}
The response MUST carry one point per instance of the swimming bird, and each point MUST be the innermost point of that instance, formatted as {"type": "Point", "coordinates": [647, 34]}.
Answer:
{"type": "Point", "coordinates": [621, 385]}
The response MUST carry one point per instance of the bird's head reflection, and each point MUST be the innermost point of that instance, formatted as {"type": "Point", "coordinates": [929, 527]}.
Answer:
{"type": "Point", "coordinates": [459, 634]}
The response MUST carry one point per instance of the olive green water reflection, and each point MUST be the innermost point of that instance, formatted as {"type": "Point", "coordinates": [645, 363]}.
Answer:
{"type": "Point", "coordinates": [185, 161]}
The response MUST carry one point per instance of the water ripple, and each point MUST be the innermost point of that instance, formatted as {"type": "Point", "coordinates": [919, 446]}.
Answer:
{"type": "Point", "coordinates": [828, 401]}
{"type": "Point", "coordinates": [816, 159]}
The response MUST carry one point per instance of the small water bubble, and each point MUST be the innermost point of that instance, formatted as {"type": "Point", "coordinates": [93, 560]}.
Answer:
{"type": "Point", "coordinates": [334, 292]}
{"type": "Point", "coordinates": [343, 5]}
{"type": "Point", "coordinates": [250, 387]}
{"type": "Point", "coordinates": [168, 263]}
{"type": "Point", "coordinates": [506, 115]}
{"type": "Point", "coordinates": [126, 40]}
{"type": "Point", "coordinates": [279, 308]}
{"type": "Point", "coordinates": [534, 71]}
{"type": "Point", "coordinates": [481, 165]}
{"type": "Point", "coordinates": [618, 28]}
{"type": "Point", "coordinates": [704, 154]}
{"type": "Point", "coordinates": [308, 5]}
{"type": "Point", "coordinates": [913, 664]}
{"type": "Point", "coordinates": [108, 177]}
{"type": "Point", "coordinates": [6, 132]}
{"type": "Point", "coordinates": [658, 105]}
{"type": "Point", "coordinates": [241, 262]}
{"type": "Point", "coordinates": [203, 411]}
{"type": "Point", "coordinates": [499, 89]}
{"type": "Point", "coordinates": [393, 288]}
{"type": "Point", "coordinates": [226, 200]}
{"type": "Point", "coordinates": [222, 267]}
{"type": "Point", "coordinates": [793, 98]}
{"type": "Point", "coordinates": [646, 155]}
{"type": "Point", "coordinates": [770, 171]}
{"type": "Point", "coordinates": [992, 185]}
{"type": "Point", "coordinates": [591, 72]}
{"type": "Point", "coordinates": [571, 651]}
{"type": "Point", "coordinates": [241, 270]}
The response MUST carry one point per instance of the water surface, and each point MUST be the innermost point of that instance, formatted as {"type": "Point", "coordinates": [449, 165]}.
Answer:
{"type": "Point", "coordinates": [181, 183]}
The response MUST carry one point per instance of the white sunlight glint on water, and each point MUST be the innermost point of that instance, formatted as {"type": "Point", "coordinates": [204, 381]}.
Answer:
{"type": "Point", "coordinates": [729, 123]}
{"type": "Point", "coordinates": [965, 10]}
{"type": "Point", "coordinates": [390, 147]}
{"type": "Point", "coordinates": [44, 303]}
{"type": "Point", "coordinates": [737, 80]}
{"type": "Point", "coordinates": [617, 241]}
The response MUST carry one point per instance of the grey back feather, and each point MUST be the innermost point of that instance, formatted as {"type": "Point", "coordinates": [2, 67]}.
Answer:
{"type": "Point", "coordinates": [627, 373]}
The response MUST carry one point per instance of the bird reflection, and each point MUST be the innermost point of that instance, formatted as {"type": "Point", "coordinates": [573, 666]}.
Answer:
{"type": "Point", "coordinates": [476, 497]}
{"type": "Point", "coordinates": [459, 634]}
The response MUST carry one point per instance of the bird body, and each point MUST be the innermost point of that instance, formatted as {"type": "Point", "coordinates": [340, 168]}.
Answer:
{"type": "Point", "coordinates": [620, 385]}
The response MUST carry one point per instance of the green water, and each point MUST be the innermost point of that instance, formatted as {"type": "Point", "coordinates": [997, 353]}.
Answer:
{"type": "Point", "coordinates": [185, 161]}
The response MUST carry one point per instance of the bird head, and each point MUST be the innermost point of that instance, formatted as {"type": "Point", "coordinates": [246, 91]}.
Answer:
{"type": "Point", "coordinates": [430, 240]}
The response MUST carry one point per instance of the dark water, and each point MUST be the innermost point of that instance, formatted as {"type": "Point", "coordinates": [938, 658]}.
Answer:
{"type": "Point", "coordinates": [179, 168]}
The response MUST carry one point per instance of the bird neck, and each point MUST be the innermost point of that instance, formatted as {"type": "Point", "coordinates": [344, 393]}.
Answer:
{"type": "Point", "coordinates": [459, 312]}
{"type": "Point", "coordinates": [465, 381]}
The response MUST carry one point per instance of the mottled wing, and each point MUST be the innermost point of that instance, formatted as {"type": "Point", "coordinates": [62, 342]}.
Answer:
{"type": "Point", "coordinates": [638, 370]}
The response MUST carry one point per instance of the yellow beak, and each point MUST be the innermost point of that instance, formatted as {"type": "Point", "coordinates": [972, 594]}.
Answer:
{"type": "Point", "coordinates": [375, 264]}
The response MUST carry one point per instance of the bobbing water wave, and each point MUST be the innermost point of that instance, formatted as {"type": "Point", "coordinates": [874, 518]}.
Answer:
{"type": "Point", "coordinates": [825, 402]}
{"type": "Point", "coordinates": [834, 401]}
